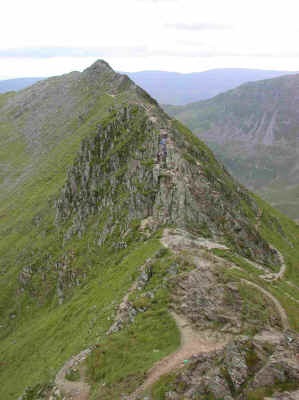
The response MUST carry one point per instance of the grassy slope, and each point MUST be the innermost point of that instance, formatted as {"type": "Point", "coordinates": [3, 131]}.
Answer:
{"type": "Point", "coordinates": [115, 370]}
{"type": "Point", "coordinates": [267, 169]}
{"type": "Point", "coordinates": [110, 378]}
{"type": "Point", "coordinates": [288, 245]}
{"type": "Point", "coordinates": [38, 346]}
{"type": "Point", "coordinates": [120, 362]}
{"type": "Point", "coordinates": [43, 335]}
{"type": "Point", "coordinates": [36, 339]}
{"type": "Point", "coordinates": [40, 341]}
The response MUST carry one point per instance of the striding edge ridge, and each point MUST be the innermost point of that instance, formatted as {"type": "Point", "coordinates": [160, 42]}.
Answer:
{"type": "Point", "coordinates": [141, 165]}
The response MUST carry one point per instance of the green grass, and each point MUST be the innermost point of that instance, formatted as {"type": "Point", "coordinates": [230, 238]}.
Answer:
{"type": "Point", "coordinates": [283, 234]}
{"type": "Point", "coordinates": [127, 355]}
{"type": "Point", "coordinates": [256, 308]}
{"type": "Point", "coordinates": [130, 353]}
{"type": "Point", "coordinates": [238, 260]}
{"type": "Point", "coordinates": [39, 347]}
{"type": "Point", "coordinates": [72, 375]}
{"type": "Point", "coordinates": [267, 391]}
{"type": "Point", "coordinates": [37, 334]}
{"type": "Point", "coordinates": [162, 386]}
{"type": "Point", "coordinates": [269, 169]}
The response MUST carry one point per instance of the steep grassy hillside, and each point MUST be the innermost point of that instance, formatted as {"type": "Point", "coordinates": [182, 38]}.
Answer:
{"type": "Point", "coordinates": [100, 238]}
{"type": "Point", "coordinates": [254, 130]}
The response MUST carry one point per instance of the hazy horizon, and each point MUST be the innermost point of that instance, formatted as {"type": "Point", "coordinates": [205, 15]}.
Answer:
{"type": "Point", "coordinates": [52, 38]}
{"type": "Point", "coordinates": [157, 70]}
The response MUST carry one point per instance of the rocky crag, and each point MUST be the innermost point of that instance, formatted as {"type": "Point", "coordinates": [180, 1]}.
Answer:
{"type": "Point", "coordinates": [120, 171]}
{"type": "Point", "coordinates": [130, 257]}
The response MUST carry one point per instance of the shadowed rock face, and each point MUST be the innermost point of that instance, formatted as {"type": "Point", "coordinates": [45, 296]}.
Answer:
{"type": "Point", "coordinates": [108, 173]}
{"type": "Point", "coordinates": [118, 173]}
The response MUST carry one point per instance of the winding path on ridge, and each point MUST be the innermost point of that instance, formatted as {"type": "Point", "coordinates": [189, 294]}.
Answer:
{"type": "Point", "coordinates": [192, 343]}
{"type": "Point", "coordinates": [280, 274]}
{"type": "Point", "coordinates": [278, 306]}
{"type": "Point", "coordinates": [176, 241]}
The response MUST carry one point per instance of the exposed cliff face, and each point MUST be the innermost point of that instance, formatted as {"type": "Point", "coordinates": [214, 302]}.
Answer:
{"type": "Point", "coordinates": [113, 172]}
{"type": "Point", "coordinates": [126, 172]}
{"type": "Point", "coordinates": [80, 231]}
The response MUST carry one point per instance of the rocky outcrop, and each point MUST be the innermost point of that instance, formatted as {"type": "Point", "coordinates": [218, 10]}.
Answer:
{"type": "Point", "coordinates": [241, 370]}
{"type": "Point", "coordinates": [126, 312]}
{"type": "Point", "coordinates": [113, 174]}
{"type": "Point", "coordinates": [209, 300]}
{"type": "Point", "coordinates": [123, 173]}
{"type": "Point", "coordinates": [136, 173]}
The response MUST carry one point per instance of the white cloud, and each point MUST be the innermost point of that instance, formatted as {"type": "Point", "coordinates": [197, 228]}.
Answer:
{"type": "Point", "coordinates": [45, 38]}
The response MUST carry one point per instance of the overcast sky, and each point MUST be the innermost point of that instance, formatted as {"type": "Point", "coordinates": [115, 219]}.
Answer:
{"type": "Point", "coordinates": [42, 38]}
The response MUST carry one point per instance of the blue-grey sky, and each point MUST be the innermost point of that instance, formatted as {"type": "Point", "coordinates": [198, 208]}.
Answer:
{"type": "Point", "coordinates": [42, 38]}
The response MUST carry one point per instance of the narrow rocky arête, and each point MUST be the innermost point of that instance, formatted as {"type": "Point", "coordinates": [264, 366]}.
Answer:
{"type": "Point", "coordinates": [131, 238]}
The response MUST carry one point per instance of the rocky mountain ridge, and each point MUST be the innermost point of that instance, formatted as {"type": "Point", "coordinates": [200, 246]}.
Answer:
{"type": "Point", "coordinates": [123, 220]}
{"type": "Point", "coordinates": [176, 88]}
{"type": "Point", "coordinates": [122, 161]}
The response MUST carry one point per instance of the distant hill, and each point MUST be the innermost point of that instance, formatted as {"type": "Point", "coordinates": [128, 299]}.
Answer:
{"type": "Point", "coordinates": [17, 84]}
{"type": "Point", "coordinates": [178, 89]}
{"type": "Point", "coordinates": [254, 130]}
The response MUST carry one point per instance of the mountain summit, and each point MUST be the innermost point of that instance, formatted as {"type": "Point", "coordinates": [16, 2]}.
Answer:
{"type": "Point", "coordinates": [130, 258]}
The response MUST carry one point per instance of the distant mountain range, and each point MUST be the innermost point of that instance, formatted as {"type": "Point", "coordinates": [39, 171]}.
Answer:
{"type": "Point", "coordinates": [254, 130]}
{"type": "Point", "coordinates": [177, 88]}
{"type": "Point", "coordinates": [17, 84]}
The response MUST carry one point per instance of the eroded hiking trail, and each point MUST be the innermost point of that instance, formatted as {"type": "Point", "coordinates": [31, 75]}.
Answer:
{"type": "Point", "coordinates": [178, 240]}
{"type": "Point", "coordinates": [196, 342]}
{"type": "Point", "coordinates": [174, 240]}
{"type": "Point", "coordinates": [78, 390]}
{"type": "Point", "coordinates": [280, 274]}
{"type": "Point", "coordinates": [192, 343]}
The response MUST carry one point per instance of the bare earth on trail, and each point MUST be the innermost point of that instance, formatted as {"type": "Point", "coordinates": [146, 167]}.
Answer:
{"type": "Point", "coordinates": [192, 343]}
{"type": "Point", "coordinates": [177, 240]}
{"type": "Point", "coordinates": [78, 390]}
